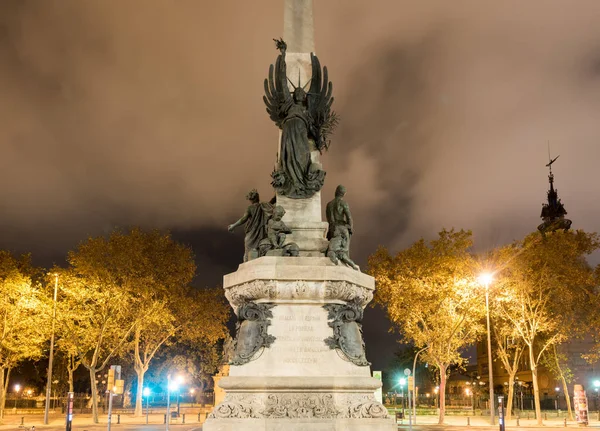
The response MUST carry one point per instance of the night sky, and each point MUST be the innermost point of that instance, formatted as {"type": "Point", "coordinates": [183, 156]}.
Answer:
{"type": "Point", "coordinates": [149, 113]}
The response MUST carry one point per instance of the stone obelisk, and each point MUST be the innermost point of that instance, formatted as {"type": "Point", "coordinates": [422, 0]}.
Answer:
{"type": "Point", "coordinates": [303, 216]}
{"type": "Point", "coordinates": [299, 360]}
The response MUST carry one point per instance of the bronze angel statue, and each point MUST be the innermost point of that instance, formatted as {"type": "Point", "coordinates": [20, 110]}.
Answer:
{"type": "Point", "coordinates": [302, 117]}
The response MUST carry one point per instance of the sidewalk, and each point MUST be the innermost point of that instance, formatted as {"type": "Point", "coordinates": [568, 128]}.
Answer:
{"type": "Point", "coordinates": [484, 421]}
{"type": "Point", "coordinates": [12, 422]}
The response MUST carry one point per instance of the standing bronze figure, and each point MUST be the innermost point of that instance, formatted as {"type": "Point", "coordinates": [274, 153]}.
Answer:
{"type": "Point", "coordinates": [301, 116]}
{"type": "Point", "coordinates": [255, 220]}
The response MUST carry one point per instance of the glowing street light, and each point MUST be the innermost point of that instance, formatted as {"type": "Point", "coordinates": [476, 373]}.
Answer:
{"type": "Point", "coordinates": [17, 389]}
{"type": "Point", "coordinates": [146, 393]}
{"type": "Point", "coordinates": [402, 382]}
{"type": "Point", "coordinates": [485, 279]}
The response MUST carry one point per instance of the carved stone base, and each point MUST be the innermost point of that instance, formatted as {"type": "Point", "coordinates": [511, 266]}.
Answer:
{"type": "Point", "coordinates": [299, 360]}
{"type": "Point", "coordinates": [300, 424]}
{"type": "Point", "coordinates": [300, 411]}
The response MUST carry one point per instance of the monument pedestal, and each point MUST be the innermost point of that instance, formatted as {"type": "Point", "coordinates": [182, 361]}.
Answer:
{"type": "Point", "coordinates": [299, 357]}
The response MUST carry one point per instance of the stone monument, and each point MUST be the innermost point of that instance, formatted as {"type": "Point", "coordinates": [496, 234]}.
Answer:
{"type": "Point", "coordinates": [298, 358]}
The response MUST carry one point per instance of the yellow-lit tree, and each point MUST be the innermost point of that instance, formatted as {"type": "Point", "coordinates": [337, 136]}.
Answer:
{"type": "Point", "coordinates": [154, 272]}
{"type": "Point", "coordinates": [431, 295]}
{"type": "Point", "coordinates": [546, 289]}
{"type": "Point", "coordinates": [24, 315]}
{"type": "Point", "coordinates": [94, 320]}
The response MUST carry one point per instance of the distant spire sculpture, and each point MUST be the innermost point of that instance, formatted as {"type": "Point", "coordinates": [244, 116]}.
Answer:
{"type": "Point", "coordinates": [553, 212]}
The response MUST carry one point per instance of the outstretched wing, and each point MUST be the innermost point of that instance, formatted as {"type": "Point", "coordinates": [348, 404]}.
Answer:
{"type": "Point", "coordinates": [319, 104]}
{"type": "Point", "coordinates": [277, 94]}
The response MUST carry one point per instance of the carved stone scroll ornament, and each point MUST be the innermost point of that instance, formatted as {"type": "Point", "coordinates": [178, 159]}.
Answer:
{"type": "Point", "coordinates": [347, 331]}
{"type": "Point", "coordinates": [257, 289]}
{"type": "Point", "coordinates": [251, 331]}
{"type": "Point", "coordinates": [346, 291]}
{"type": "Point", "coordinates": [299, 405]}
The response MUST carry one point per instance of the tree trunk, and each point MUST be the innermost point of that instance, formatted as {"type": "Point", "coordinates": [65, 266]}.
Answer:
{"type": "Point", "coordinates": [94, 395]}
{"type": "Point", "coordinates": [536, 389]}
{"type": "Point", "coordinates": [2, 393]}
{"type": "Point", "coordinates": [72, 365]}
{"type": "Point", "coordinates": [511, 394]}
{"type": "Point", "coordinates": [442, 394]}
{"type": "Point", "coordinates": [71, 386]}
{"type": "Point", "coordinates": [139, 400]}
{"type": "Point", "coordinates": [567, 397]}
{"type": "Point", "coordinates": [4, 389]}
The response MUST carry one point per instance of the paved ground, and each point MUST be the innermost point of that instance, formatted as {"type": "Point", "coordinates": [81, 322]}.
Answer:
{"type": "Point", "coordinates": [156, 423]}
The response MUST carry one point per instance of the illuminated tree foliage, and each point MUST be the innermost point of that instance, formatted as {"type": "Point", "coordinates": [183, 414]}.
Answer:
{"type": "Point", "coordinates": [152, 273]}
{"type": "Point", "coordinates": [24, 318]}
{"type": "Point", "coordinates": [94, 321]}
{"type": "Point", "coordinates": [546, 292]}
{"type": "Point", "coordinates": [431, 295]}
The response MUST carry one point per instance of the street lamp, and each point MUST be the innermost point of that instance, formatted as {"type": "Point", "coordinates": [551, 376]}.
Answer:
{"type": "Point", "coordinates": [557, 390]}
{"type": "Point", "coordinates": [172, 385]}
{"type": "Point", "coordinates": [486, 279]}
{"type": "Point", "coordinates": [51, 358]}
{"type": "Point", "coordinates": [192, 391]}
{"type": "Point", "coordinates": [179, 383]}
{"type": "Point", "coordinates": [402, 382]}
{"type": "Point", "coordinates": [17, 389]}
{"type": "Point", "coordinates": [597, 389]}
{"type": "Point", "coordinates": [146, 393]}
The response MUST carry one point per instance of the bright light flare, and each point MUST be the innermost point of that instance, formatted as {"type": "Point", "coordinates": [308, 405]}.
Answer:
{"type": "Point", "coordinates": [402, 381]}
{"type": "Point", "coordinates": [146, 392]}
{"type": "Point", "coordinates": [485, 278]}
{"type": "Point", "coordinates": [17, 388]}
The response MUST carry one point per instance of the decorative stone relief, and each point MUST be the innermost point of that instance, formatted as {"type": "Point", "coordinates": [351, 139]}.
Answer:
{"type": "Point", "coordinates": [299, 405]}
{"type": "Point", "coordinates": [297, 289]}
{"type": "Point", "coordinates": [258, 289]}
{"type": "Point", "coordinates": [347, 331]}
{"type": "Point", "coordinates": [251, 331]}
{"type": "Point", "coordinates": [346, 291]}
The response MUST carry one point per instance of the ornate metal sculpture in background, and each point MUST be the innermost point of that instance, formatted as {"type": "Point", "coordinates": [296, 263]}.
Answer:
{"type": "Point", "coordinates": [251, 331]}
{"type": "Point", "coordinates": [255, 218]}
{"type": "Point", "coordinates": [553, 213]}
{"type": "Point", "coordinates": [347, 331]}
{"type": "Point", "coordinates": [301, 116]}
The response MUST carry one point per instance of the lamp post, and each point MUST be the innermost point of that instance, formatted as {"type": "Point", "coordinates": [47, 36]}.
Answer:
{"type": "Point", "coordinates": [597, 389]}
{"type": "Point", "coordinates": [414, 370]}
{"type": "Point", "coordinates": [17, 389]}
{"type": "Point", "coordinates": [486, 279]}
{"type": "Point", "coordinates": [192, 391]}
{"type": "Point", "coordinates": [557, 390]}
{"type": "Point", "coordinates": [146, 393]}
{"type": "Point", "coordinates": [402, 382]}
{"type": "Point", "coordinates": [51, 358]}
{"type": "Point", "coordinates": [179, 382]}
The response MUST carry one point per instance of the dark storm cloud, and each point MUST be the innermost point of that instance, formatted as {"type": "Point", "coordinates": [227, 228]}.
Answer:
{"type": "Point", "coordinates": [119, 113]}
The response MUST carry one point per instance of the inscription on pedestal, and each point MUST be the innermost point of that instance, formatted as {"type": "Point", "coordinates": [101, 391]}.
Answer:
{"type": "Point", "coordinates": [298, 330]}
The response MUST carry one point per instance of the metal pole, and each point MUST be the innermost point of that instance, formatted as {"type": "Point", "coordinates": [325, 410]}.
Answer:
{"type": "Point", "coordinates": [409, 412]}
{"type": "Point", "coordinates": [489, 348]}
{"type": "Point", "coordinates": [51, 359]}
{"type": "Point", "coordinates": [168, 400]}
{"type": "Point", "coordinates": [147, 407]}
{"type": "Point", "coordinates": [414, 410]}
{"type": "Point", "coordinates": [110, 398]}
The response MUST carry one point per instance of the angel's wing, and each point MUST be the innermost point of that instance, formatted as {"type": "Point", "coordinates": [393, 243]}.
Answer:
{"type": "Point", "coordinates": [319, 103]}
{"type": "Point", "coordinates": [277, 94]}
